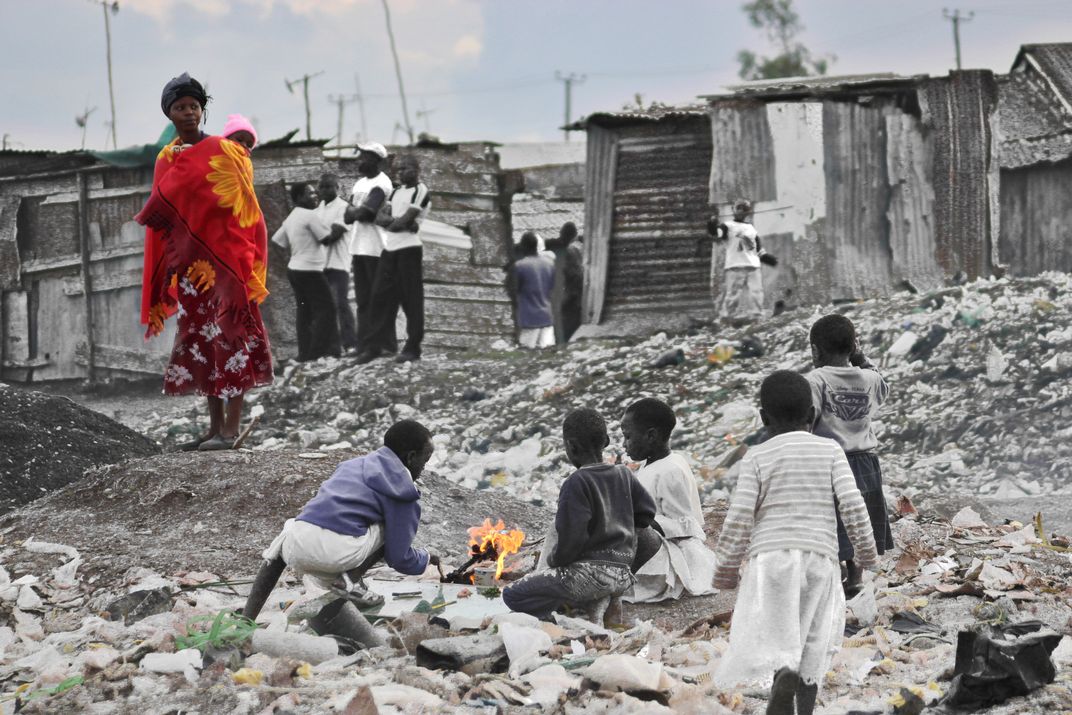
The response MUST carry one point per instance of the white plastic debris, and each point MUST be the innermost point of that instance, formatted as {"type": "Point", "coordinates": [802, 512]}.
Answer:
{"type": "Point", "coordinates": [549, 682]}
{"type": "Point", "coordinates": [968, 518]}
{"type": "Point", "coordinates": [523, 642]}
{"type": "Point", "coordinates": [995, 365]}
{"type": "Point", "coordinates": [627, 672]}
{"type": "Point", "coordinates": [902, 345]}
{"type": "Point", "coordinates": [29, 600]}
{"type": "Point", "coordinates": [47, 547]}
{"type": "Point", "coordinates": [99, 658]}
{"type": "Point", "coordinates": [186, 661]}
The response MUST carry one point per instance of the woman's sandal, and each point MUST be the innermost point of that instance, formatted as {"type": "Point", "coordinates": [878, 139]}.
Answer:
{"type": "Point", "coordinates": [214, 444]}
{"type": "Point", "coordinates": [193, 444]}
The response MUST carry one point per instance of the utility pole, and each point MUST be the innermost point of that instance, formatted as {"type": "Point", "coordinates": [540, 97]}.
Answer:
{"type": "Point", "coordinates": [341, 100]}
{"type": "Point", "coordinates": [112, 7]}
{"type": "Point", "coordinates": [398, 72]}
{"type": "Point", "coordinates": [424, 113]}
{"type": "Point", "coordinates": [82, 120]}
{"type": "Point", "coordinates": [956, 19]}
{"type": "Point", "coordinates": [304, 79]}
{"type": "Point", "coordinates": [361, 107]}
{"type": "Point", "coordinates": [3, 142]}
{"type": "Point", "coordinates": [568, 80]}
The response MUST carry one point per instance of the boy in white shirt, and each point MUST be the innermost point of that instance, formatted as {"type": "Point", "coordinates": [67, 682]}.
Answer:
{"type": "Point", "coordinates": [301, 233]}
{"type": "Point", "coordinates": [741, 300]}
{"type": "Point", "coordinates": [399, 275]}
{"type": "Point", "coordinates": [682, 563]}
{"type": "Point", "coordinates": [332, 210]}
{"type": "Point", "coordinates": [369, 194]}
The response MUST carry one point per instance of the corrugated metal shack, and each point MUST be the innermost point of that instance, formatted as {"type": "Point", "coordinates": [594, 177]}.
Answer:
{"type": "Point", "coordinates": [1036, 161]}
{"type": "Point", "coordinates": [645, 208]}
{"type": "Point", "coordinates": [65, 225]}
{"type": "Point", "coordinates": [861, 184]}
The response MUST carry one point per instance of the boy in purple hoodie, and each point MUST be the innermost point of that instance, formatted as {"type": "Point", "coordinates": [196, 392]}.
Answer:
{"type": "Point", "coordinates": [367, 510]}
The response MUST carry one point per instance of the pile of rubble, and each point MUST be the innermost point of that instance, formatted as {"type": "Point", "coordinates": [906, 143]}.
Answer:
{"type": "Point", "coordinates": [49, 441]}
{"type": "Point", "coordinates": [172, 644]}
{"type": "Point", "coordinates": [980, 399]}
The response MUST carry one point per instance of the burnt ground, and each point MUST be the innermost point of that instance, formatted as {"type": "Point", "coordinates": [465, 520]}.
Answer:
{"type": "Point", "coordinates": [216, 512]}
{"type": "Point", "coordinates": [179, 512]}
{"type": "Point", "coordinates": [48, 441]}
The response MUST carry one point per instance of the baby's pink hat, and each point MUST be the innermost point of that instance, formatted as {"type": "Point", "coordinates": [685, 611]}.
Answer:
{"type": "Point", "coordinates": [236, 123]}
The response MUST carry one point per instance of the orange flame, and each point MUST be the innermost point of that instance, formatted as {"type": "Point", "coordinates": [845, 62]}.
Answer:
{"type": "Point", "coordinates": [496, 537]}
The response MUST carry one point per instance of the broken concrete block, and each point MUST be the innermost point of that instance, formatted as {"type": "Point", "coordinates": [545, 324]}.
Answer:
{"type": "Point", "coordinates": [484, 653]}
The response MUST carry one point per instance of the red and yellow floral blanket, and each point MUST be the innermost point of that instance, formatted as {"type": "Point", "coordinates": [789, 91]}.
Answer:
{"type": "Point", "coordinates": [203, 223]}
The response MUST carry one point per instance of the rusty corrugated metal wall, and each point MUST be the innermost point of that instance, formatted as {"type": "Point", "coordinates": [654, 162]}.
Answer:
{"type": "Point", "coordinates": [1036, 219]}
{"type": "Point", "coordinates": [857, 235]}
{"type": "Point", "coordinates": [660, 211]}
{"type": "Point", "coordinates": [911, 206]}
{"type": "Point", "coordinates": [960, 112]}
{"type": "Point", "coordinates": [600, 168]}
{"type": "Point", "coordinates": [743, 153]}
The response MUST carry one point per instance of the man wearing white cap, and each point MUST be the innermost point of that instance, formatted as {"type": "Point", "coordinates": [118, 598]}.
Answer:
{"type": "Point", "coordinates": [370, 191]}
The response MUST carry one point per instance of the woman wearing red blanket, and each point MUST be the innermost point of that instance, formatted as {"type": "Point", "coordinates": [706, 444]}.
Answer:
{"type": "Point", "coordinates": [205, 259]}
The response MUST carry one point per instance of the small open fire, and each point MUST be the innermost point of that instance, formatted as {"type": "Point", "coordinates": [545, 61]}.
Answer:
{"type": "Point", "coordinates": [487, 543]}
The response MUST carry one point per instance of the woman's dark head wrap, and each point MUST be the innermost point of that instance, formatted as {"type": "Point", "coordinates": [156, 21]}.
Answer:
{"type": "Point", "coordinates": [182, 86]}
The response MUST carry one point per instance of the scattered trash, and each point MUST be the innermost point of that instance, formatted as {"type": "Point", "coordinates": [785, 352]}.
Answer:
{"type": "Point", "coordinates": [1005, 662]}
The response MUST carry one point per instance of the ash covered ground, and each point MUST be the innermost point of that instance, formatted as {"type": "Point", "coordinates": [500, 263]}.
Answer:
{"type": "Point", "coordinates": [978, 417]}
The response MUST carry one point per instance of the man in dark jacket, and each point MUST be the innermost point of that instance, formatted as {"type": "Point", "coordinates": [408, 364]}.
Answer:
{"type": "Point", "coordinates": [367, 510]}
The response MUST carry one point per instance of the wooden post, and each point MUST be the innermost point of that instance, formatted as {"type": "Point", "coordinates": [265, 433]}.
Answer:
{"type": "Point", "coordinates": [87, 279]}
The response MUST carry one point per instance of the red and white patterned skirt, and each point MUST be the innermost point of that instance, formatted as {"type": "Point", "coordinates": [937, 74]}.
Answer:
{"type": "Point", "coordinates": [206, 362]}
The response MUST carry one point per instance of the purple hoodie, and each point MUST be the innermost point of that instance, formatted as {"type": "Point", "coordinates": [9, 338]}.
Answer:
{"type": "Point", "coordinates": [376, 488]}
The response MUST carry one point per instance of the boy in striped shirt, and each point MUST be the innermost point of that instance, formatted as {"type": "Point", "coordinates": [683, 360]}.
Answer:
{"type": "Point", "coordinates": [790, 611]}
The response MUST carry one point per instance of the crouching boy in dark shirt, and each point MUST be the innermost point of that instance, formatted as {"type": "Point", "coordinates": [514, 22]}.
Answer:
{"type": "Point", "coordinates": [600, 509]}
{"type": "Point", "coordinates": [366, 511]}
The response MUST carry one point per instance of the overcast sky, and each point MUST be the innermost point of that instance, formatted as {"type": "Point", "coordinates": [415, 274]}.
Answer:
{"type": "Point", "coordinates": [480, 69]}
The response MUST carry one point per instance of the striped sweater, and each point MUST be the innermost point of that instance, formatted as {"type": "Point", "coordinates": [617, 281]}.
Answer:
{"type": "Point", "coordinates": [785, 500]}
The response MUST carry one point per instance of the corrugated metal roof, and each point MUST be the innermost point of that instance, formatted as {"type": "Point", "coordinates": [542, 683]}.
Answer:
{"type": "Point", "coordinates": [878, 82]}
{"type": "Point", "coordinates": [654, 113]}
{"type": "Point", "coordinates": [531, 213]}
{"type": "Point", "coordinates": [1035, 127]}
{"type": "Point", "coordinates": [1054, 62]}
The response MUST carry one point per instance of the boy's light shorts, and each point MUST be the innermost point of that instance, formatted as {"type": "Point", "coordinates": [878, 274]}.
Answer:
{"type": "Point", "coordinates": [322, 554]}
{"type": "Point", "coordinates": [536, 338]}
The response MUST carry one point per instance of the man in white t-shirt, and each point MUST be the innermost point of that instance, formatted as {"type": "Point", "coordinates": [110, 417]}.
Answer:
{"type": "Point", "coordinates": [369, 194]}
{"type": "Point", "coordinates": [400, 276]}
{"type": "Point", "coordinates": [302, 234]}
{"type": "Point", "coordinates": [741, 300]}
{"type": "Point", "coordinates": [332, 210]}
